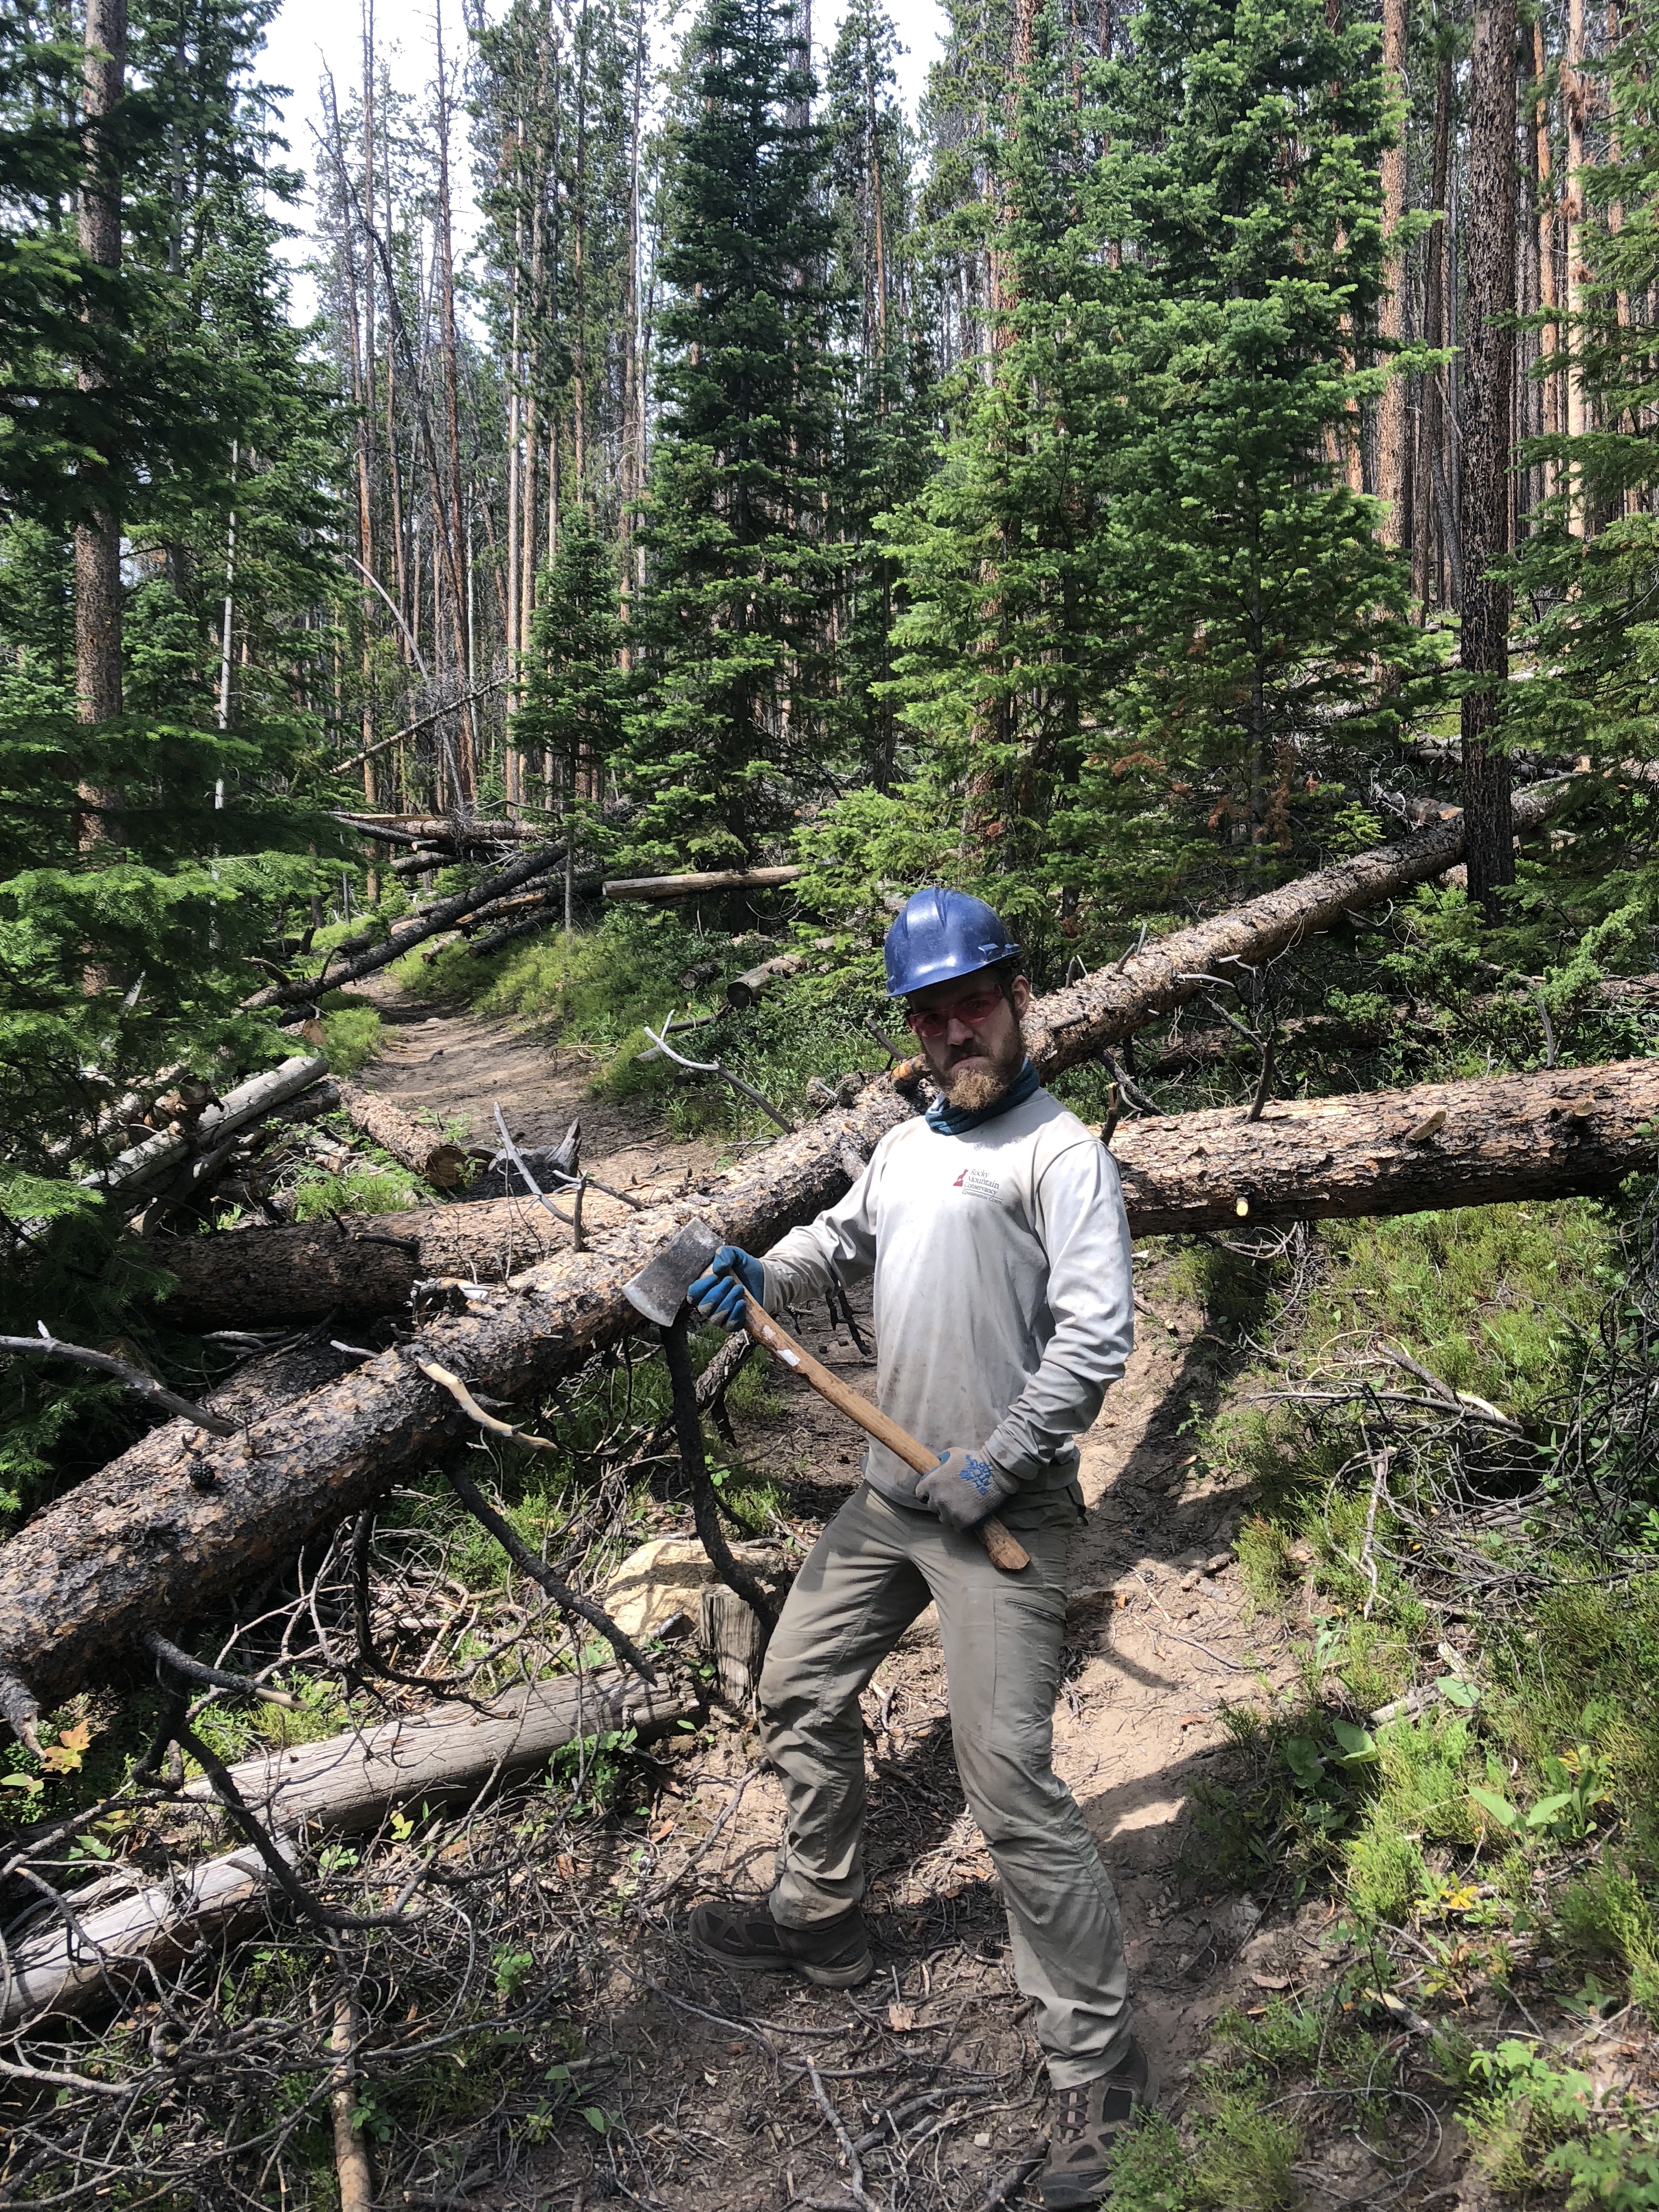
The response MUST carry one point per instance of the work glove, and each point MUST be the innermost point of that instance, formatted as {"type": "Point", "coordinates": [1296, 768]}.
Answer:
{"type": "Point", "coordinates": [718, 1294]}
{"type": "Point", "coordinates": [964, 1487]}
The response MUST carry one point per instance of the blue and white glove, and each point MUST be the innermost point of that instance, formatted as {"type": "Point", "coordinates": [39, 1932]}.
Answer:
{"type": "Point", "coordinates": [964, 1487]}
{"type": "Point", "coordinates": [718, 1295]}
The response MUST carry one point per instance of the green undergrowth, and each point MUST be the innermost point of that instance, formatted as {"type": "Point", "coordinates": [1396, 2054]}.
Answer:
{"type": "Point", "coordinates": [353, 1036]}
{"type": "Point", "coordinates": [390, 1189]}
{"type": "Point", "coordinates": [1499, 1832]}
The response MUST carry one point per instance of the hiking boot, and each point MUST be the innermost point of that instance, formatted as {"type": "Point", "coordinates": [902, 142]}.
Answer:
{"type": "Point", "coordinates": [833, 1954]}
{"type": "Point", "coordinates": [1091, 2120]}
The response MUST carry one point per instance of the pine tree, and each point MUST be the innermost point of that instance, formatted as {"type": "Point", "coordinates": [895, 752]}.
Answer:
{"type": "Point", "coordinates": [126, 946]}
{"type": "Point", "coordinates": [886, 437]}
{"type": "Point", "coordinates": [740, 572]}
{"type": "Point", "coordinates": [1153, 629]}
{"type": "Point", "coordinates": [572, 714]}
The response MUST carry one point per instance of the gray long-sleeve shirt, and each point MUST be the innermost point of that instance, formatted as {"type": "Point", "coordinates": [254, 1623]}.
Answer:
{"type": "Point", "coordinates": [1002, 1286]}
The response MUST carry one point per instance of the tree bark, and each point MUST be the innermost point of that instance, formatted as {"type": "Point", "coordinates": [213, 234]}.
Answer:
{"type": "Point", "coordinates": [98, 534]}
{"type": "Point", "coordinates": [1566, 1131]}
{"type": "Point", "coordinates": [425, 1152]}
{"type": "Point", "coordinates": [345, 1783]}
{"type": "Point", "coordinates": [172, 1525]}
{"type": "Point", "coordinates": [1574, 100]}
{"type": "Point", "coordinates": [1436, 527]}
{"type": "Point", "coordinates": [1489, 389]}
{"type": "Point", "coordinates": [1545, 212]}
{"type": "Point", "coordinates": [663, 888]}
{"type": "Point", "coordinates": [1391, 319]}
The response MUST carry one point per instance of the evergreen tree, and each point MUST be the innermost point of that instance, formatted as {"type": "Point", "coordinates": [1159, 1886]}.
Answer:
{"type": "Point", "coordinates": [887, 431]}
{"type": "Point", "coordinates": [144, 856]}
{"type": "Point", "coordinates": [574, 689]}
{"type": "Point", "coordinates": [740, 573]}
{"type": "Point", "coordinates": [1151, 622]}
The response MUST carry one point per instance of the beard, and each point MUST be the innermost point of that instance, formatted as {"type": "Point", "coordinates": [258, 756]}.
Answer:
{"type": "Point", "coordinates": [975, 1081]}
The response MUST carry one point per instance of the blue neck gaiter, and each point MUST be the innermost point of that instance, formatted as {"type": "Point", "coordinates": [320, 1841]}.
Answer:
{"type": "Point", "coordinates": [956, 1121]}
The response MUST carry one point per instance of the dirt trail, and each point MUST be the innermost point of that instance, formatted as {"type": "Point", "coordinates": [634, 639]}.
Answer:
{"type": "Point", "coordinates": [931, 2071]}
{"type": "Point", "coordinates": [458, 1064]}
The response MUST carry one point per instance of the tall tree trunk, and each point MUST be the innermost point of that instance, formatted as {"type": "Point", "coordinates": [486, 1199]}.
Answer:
{"type": "Point", "coordinates": [1435, 531]}
{"type": "Point", "coordinates": [1004, 295]}
{"type": "Point", "coordinates": [1547, 288]}
{"type": "Point", "coordinates": [407, 601]}
{"type": "Point", "coordinates": [1574, 97]}
{"type": "Point", "coordinates": [1391, 320]}
{"type": "Point", "coordinates": [1489, 398]}
{"type": "Point", "coordinates": [98, 534]}
{"type": "Point", "coordinates": [451, 523]}
{"type": "Point", "coordinates": [579, 253]}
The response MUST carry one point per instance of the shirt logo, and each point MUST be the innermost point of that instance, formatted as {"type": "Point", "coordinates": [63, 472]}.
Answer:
{"type": "Point", "coordinates": [977, 1183]}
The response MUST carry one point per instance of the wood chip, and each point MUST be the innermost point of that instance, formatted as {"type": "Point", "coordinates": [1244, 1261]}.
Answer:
{"type": "Point", "coordinates": [1195, 1720]}
{"type": "Point", "coordinates": [901, 2016]}
{"type": "Point", "coordinates": [1271, 1981]}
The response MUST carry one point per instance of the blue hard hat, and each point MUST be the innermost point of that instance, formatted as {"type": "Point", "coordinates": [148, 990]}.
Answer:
{"type": "Point", "coordinates": [940, 934]}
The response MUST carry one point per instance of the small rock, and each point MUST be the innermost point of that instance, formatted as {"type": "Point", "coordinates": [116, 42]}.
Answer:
{"type": "Point", "coordinates": [1191, 1581]}
{"type": "Point", "coordinates": [1218, 1562]}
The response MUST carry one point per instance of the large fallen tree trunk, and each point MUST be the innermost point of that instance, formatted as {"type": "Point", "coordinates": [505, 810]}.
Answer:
{"type": "Point", "coordinates": [345, 1783]}
{"type": "Point", "coordinates": [1512, 1136]}
{"type": "Point", "coordinates": [173, 1525]}
{"type": "Point", "coordinates": [365, 1264]}
{"type": "Point", "coordinates": [1571, 1131]}
{"type": "Point", "coordinates": [1071, 1024]}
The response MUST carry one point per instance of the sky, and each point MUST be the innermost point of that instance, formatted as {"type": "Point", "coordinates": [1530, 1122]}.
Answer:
{"type": "Point", "coordinates": [309, 36]}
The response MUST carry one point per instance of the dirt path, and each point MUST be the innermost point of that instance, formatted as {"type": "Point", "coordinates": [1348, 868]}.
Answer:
{"type": "Point", "coordinates": [459, 1065]}
{"type": "Point", "coordinates": [931, 2073]}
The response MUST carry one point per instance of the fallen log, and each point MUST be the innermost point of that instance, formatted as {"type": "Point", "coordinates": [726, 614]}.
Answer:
{"type": "Point", "coordinates": [171, 1526]}
{"type": "Point", "coordinates": [425, 1152]}
{"type": "Point", "coordinates": [345, 1785]}
{"type": "Point", "coordinates": [1576, 1131]}
{"type": "Point", "coordinates": [443, 829]}
{"type": "Point", "coordinates": [360, 1265]}
{"type": "Point", "coordinates": [144, 1164]}
{"type": "Point", "coordinates": [742, 991]}
{"type": "Point", "coordinates": [1073, 1024]}
{"type": "Point", "coordinates": [444, 915]}
{"type": "Point", "coordinates": [698, 886]}
{"type": "Point", "coordinates": [1504, 1137]}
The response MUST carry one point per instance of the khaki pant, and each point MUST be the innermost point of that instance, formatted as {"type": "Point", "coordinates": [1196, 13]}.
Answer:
{"type": "Point", "coordinates": [870, 1574]}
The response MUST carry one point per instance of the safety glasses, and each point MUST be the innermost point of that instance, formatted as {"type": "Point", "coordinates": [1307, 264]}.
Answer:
{"type": "Point", "coordinates": [974, 1008]}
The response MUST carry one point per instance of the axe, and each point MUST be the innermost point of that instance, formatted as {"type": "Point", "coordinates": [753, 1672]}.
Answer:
{"type": "Point", "coordinates": [658, 1292]}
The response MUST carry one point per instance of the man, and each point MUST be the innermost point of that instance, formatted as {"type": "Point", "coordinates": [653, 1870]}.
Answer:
{"type": "Point", "coordinates": [996, 1233]}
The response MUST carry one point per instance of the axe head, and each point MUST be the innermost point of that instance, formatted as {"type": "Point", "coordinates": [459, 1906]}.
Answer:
{"type": "Point", "coordinates": [658, 1290]}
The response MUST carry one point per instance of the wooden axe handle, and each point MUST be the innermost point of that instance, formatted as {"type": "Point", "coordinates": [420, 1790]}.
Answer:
{"type": "Point", "coordinates": [1006, 1549]}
